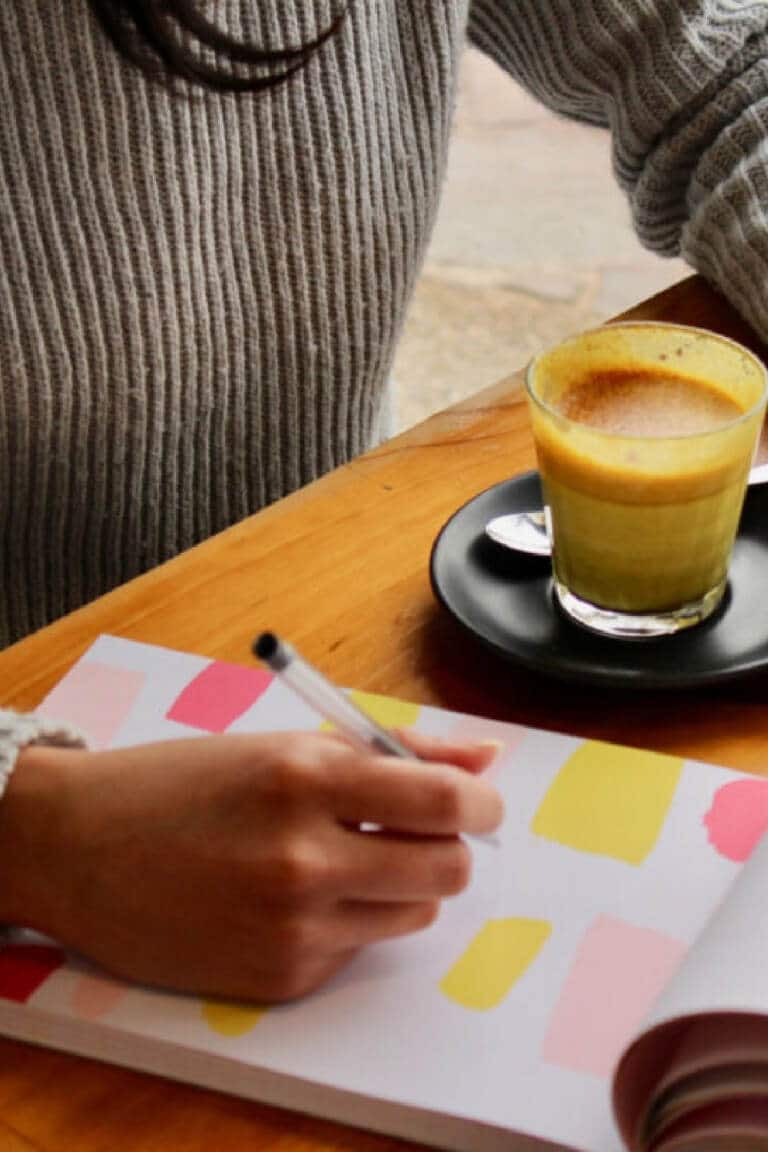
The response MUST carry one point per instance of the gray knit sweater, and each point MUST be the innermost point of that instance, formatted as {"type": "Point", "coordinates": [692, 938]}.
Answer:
{"type": "Point", "coordinates": [200, 294]}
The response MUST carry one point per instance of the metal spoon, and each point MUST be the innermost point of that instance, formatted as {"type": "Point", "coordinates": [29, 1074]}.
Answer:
{"type": "Point", "coordinates": [522, 532]}
{"type": "Point", "coordinates": [527, 531]}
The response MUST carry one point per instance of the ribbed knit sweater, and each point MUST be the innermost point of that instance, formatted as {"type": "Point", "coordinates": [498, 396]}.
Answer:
{"type": "Point", "coordinates": [200, 293]}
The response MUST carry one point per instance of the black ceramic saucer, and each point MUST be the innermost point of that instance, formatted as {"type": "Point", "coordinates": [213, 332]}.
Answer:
{"type": "Point", "coordinates": [505, 600]}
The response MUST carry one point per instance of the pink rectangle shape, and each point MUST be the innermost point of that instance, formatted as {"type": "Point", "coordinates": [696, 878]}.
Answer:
{"type": "Point", "coordinates": [618, 972]}
{"type": "Point", "coordinates": [96, 698]}
{"type": "Point", "coordinates": [218, 695]}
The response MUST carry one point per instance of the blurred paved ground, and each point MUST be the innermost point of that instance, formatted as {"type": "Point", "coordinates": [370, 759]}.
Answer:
{"type": "Point", "coordinates": [533, 241]}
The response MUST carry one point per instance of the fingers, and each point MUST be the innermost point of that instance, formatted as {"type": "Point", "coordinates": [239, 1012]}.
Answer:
{"type": "Point", "coordinates": [296, 978]}
{"type": "Point", "coordinates": [415, 797]}
{"type": "Point", "coordinates": [307, 952]}
{"type": "Point", "coordinates": [310, 774]}
{"type": "Point", "coordinates": [302, 941]}
{"type": "Point", "coordinates": [472, 757]}
{"type": "Point", "coordinates": [358, 924]}
{"type": "Point", "coordinates": [384, 868]}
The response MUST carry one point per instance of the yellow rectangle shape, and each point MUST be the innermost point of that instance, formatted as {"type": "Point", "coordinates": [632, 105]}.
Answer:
{"type": "Point", "coordinates": [495, 960]}
{"type": "Point", "coordinates": [384, 710]}
{"type": "Point", "coordinates": [231, 1019]}
{"type": "Point", "coordinates": [609, 801]}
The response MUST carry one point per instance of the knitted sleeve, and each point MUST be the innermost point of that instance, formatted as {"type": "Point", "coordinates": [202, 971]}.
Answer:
{"type": "Point", "coordinates": [683, 87]}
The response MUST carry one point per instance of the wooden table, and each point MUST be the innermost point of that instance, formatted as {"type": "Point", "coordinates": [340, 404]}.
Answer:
{"type": "Point", "coordinates": [341, 568]}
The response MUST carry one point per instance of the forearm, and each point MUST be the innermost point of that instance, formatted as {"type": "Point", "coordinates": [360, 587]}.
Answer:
{"type": "Point", "coordinates": [683, 87]}
{"type": "Point", "coordinates": [30, 832]}
{"type": "Point", "coordinates": [34, 757]}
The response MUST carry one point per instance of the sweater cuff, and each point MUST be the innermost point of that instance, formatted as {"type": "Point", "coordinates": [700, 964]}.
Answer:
{"type": "Point", "coordinates": [20, 729]}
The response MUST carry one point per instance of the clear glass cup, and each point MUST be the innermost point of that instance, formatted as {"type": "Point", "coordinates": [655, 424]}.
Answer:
{"type": "Point", "coordinates": [643, 525]}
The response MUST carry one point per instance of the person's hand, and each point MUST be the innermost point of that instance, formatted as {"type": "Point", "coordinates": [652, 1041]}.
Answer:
{"type": "Point", "coordinates": [236, 865]}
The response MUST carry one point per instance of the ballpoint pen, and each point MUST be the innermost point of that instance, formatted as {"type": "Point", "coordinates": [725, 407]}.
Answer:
{"type": "Point", "coordinates": [326, 698]}
{"type": "Point", "coordinates": [330, 702]}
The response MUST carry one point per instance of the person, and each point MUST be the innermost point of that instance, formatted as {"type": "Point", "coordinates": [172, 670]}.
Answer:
{"type": "Point", "coordinates": [212, 220]}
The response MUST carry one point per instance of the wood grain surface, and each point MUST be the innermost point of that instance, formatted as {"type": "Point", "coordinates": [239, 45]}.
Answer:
{"type": "Point", "coordinates": [341, 568]}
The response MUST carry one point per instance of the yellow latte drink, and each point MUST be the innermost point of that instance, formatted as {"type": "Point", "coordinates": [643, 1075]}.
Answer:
{"type": "Point", "coordinates": [645, 434]}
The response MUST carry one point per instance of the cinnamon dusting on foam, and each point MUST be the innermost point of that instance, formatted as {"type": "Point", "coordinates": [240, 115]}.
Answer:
{"type": "Point", "coordinates": [627, 402]}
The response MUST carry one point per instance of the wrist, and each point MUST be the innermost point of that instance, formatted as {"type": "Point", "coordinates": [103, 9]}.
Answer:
{"type": "Point", "coordinates": [35, 826]}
